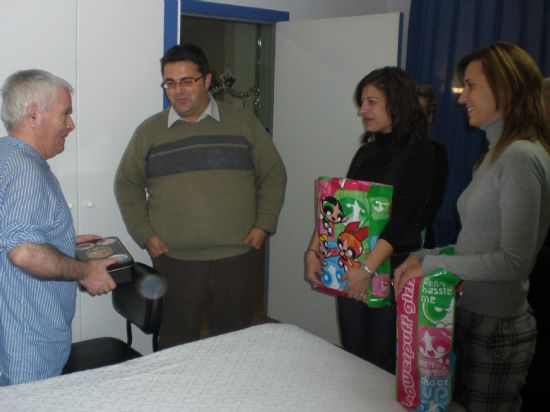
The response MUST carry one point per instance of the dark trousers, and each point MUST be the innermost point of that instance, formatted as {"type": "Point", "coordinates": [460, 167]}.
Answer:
{"type": "Point", "coordinates": [224, 289]}
{"type": "Point", "coordinates": [370, 333]}
{"type": "Point", "coordinates": [537, 390]}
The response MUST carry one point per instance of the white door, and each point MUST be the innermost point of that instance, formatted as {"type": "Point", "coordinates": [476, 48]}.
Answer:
{"type": "Point", "coordinates": [318, 63]}
{"type": "Point", "coordinates": [119, 47]}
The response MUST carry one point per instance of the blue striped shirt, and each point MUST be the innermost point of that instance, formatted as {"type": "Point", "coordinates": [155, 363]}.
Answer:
{"type": "Point", "coordinates": [35, 314]}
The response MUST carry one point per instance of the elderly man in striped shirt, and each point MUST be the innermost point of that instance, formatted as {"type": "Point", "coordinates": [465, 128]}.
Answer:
{"type": "Point", "coordinates": [38, 272]}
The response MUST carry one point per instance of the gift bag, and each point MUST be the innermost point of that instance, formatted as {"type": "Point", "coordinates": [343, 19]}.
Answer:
{"type": "Point", "coordinates": [425, 361]}
{"type": "Point", "coordinates": [351, 215]}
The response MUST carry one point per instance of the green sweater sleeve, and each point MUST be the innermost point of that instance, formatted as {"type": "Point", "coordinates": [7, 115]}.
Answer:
{"type": "Point", "coordinates": [270, 180]}
{"type": "Point", "coordinates": [130, 191]}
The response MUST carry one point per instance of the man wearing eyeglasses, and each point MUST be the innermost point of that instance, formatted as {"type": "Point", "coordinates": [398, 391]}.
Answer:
{"type": "Point", "coordinates": [200, 186]}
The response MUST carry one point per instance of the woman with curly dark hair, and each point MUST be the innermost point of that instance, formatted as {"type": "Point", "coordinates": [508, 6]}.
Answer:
{"type": "Point", "coordinates": [395, 150]}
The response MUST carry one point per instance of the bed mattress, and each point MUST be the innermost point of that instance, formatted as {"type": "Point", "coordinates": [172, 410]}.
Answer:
{"type": "Point", "coordinates": [274, 367]}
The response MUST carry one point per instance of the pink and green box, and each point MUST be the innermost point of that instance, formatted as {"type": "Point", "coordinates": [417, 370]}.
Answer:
{"type": "Point", "coordinates": [351, 216]}
{"type": "Point", "coordinates": [425, 320]}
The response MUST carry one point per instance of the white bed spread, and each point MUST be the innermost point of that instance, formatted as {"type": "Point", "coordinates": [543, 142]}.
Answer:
{"type": "Point", "coordinates": [274, 367]}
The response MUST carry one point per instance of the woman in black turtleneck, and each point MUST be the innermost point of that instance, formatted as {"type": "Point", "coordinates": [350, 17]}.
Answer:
{"type": "Point", "coordinates": [395, 150]}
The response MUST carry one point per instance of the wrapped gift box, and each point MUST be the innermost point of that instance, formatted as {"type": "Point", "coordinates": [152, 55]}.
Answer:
{"type": "Point", "coordinates": [351, 215]}
{"type": "Point", "coordinates": [425, 320]}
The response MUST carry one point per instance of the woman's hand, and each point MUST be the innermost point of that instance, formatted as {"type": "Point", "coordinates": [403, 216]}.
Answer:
{"type": "Point", "coordinates": [409, 269]}
{"type": "Point", "coordinates": [312, 263]}
{"type": "Point", "coordinates": [357, 283]}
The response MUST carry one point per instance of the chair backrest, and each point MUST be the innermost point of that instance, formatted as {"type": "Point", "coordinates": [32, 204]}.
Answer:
{"type": "Point", "coordinates": [140, 301]}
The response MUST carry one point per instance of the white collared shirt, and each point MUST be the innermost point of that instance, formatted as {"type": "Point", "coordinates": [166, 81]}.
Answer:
{"type": "Point", "coordinates": [211, 110]}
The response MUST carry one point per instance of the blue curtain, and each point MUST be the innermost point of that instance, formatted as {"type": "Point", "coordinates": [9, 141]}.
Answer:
{"type": "Point", "coordinates": [440, 33]}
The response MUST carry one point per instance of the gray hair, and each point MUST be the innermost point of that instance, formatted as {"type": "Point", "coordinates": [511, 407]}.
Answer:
{"type": "Point", "coordinates": [26, 87]}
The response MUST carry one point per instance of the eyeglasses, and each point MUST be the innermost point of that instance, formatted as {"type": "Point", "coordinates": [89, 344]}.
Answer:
{"type": "Point", "coordinates": [184, 82]}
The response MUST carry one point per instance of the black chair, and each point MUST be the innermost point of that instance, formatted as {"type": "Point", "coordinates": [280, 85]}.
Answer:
{"type": "Point", "coordinates": [140, 301]}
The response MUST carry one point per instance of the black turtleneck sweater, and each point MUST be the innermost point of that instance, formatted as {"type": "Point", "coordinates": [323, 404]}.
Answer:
{"type": "Point", "coordinates": [412, 175]}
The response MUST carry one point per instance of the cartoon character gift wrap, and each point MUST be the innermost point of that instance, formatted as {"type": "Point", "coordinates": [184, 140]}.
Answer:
{"type": "Point", "coordinates": [425, 319]}
{"type": "Point", "coordinates": [351, 216]}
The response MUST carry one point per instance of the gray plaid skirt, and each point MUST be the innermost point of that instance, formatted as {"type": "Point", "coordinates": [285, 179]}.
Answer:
{"type": "Point", "coordinates": [492, 359]}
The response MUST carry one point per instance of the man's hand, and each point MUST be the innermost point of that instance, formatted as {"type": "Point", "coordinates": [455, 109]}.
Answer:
{"type": "Point", "coordinates": [255, 238]}
{"type": "Point", "coordinates": [86, 238]}
{"type": "Point", "coordinates": [46, 262]}
{"type": "Point", "coordinates": [155, 246]}
{"type": "Point", "coordinates": [96, 279]}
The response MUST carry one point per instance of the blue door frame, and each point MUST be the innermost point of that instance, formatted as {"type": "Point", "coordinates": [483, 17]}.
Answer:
{"type": "Point", "coordinates": [173, 9]}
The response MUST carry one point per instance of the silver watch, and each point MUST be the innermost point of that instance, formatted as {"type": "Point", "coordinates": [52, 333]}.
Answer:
{"type": "Point", "coordinates": [367, 269]}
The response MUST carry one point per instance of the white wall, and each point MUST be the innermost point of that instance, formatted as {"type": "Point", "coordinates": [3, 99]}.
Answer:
{"type": "Point", "coordinates": [316, 9]}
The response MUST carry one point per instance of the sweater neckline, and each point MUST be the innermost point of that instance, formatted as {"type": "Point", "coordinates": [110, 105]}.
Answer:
{"type": "Point", "coordinates": [380, 138]}
{"type": "Point", "coordinates": [493, 130]}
